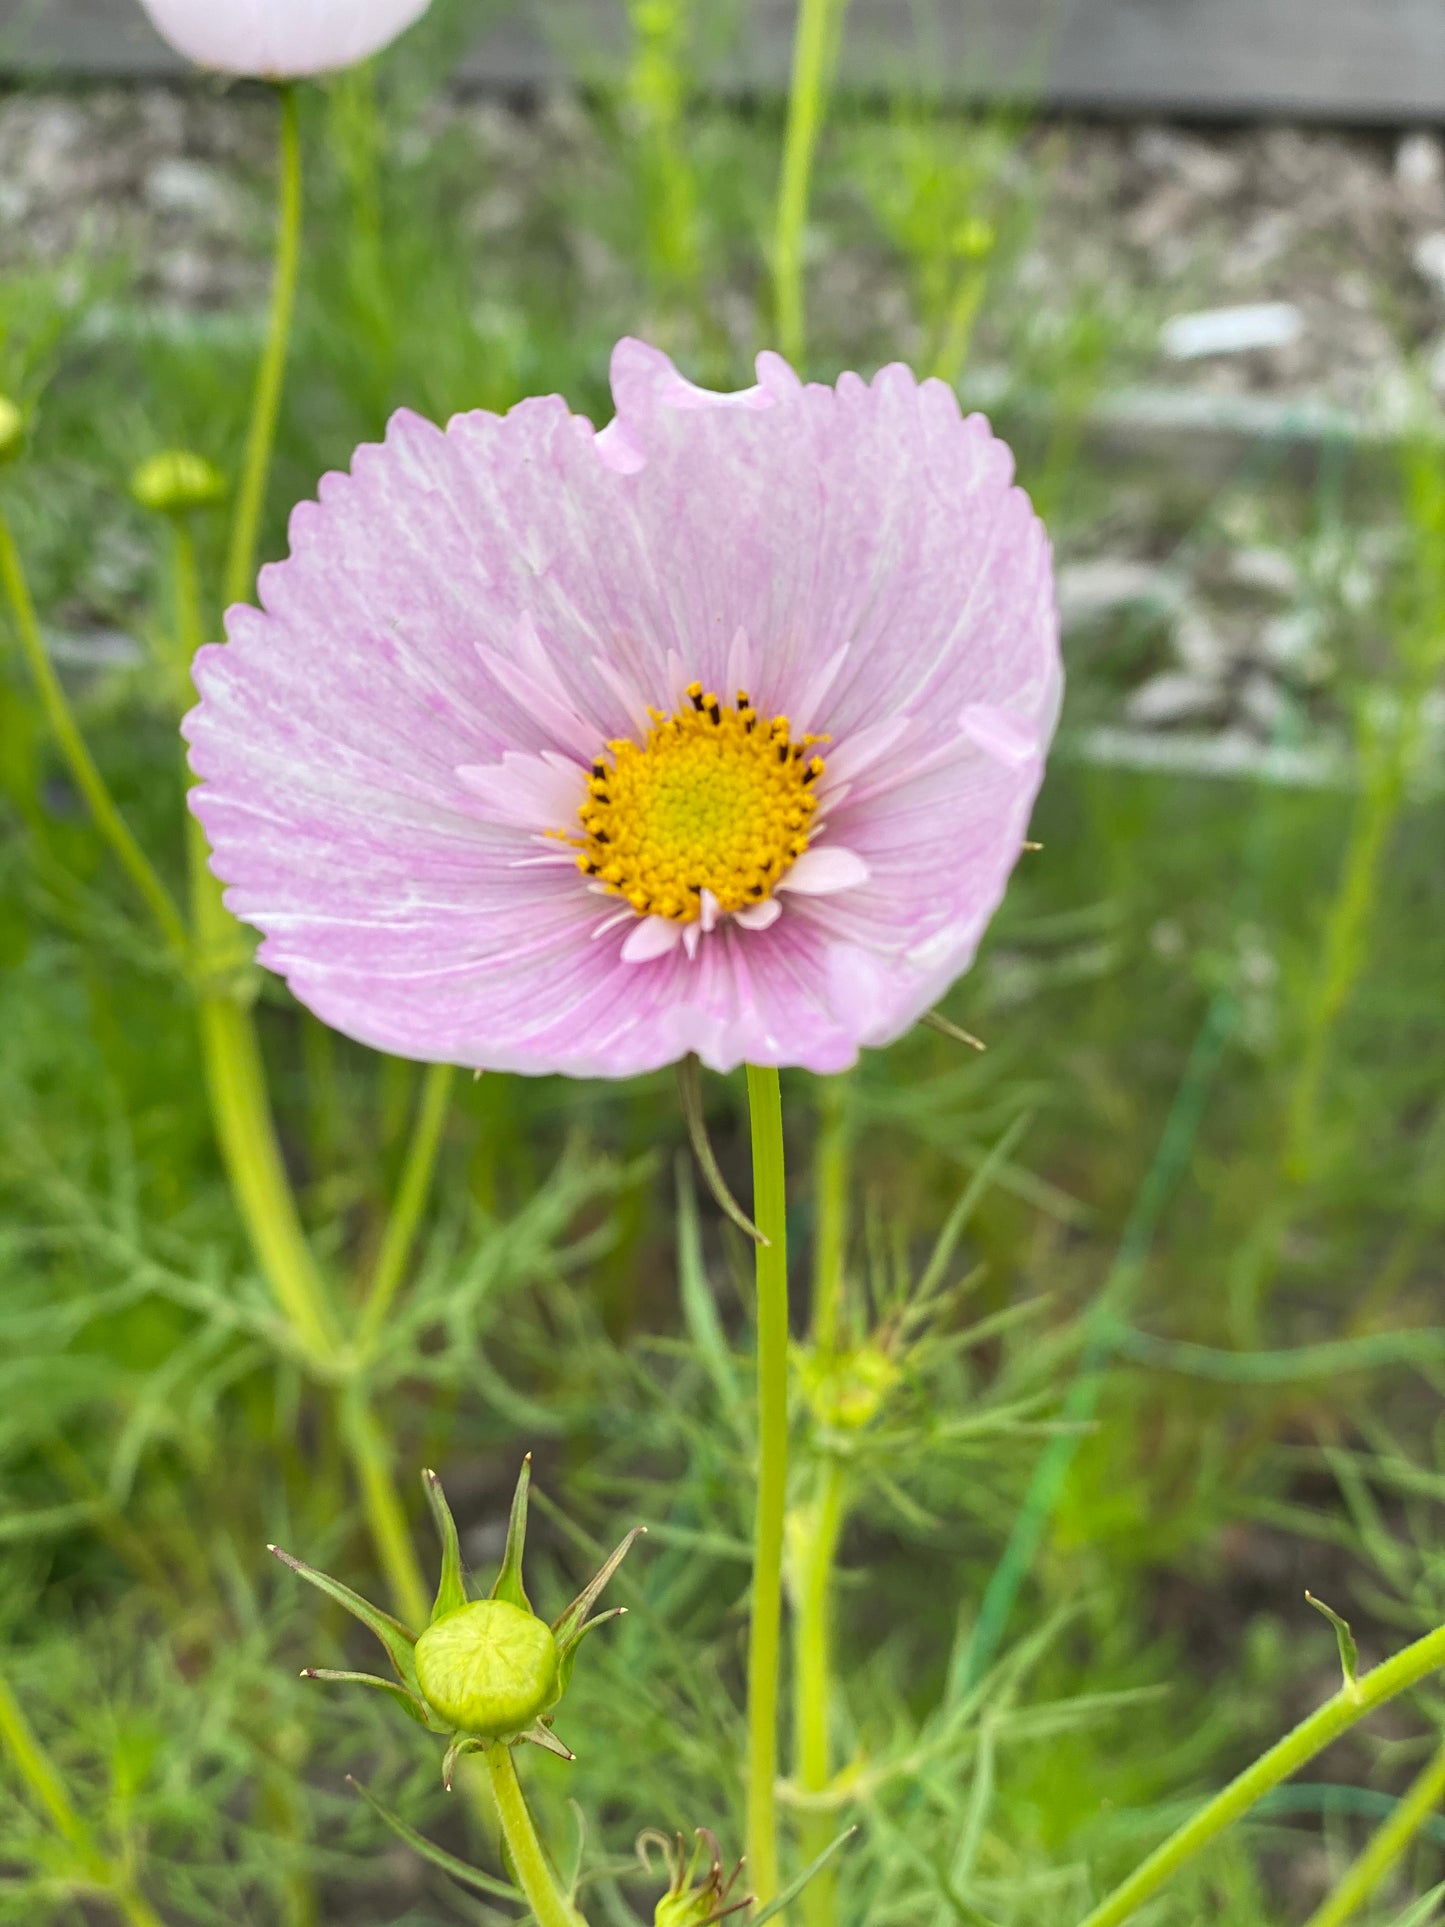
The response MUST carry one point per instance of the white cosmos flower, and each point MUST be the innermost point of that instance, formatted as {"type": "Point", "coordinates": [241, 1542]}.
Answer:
{"type": "Point", "coordinates": [281, 39]}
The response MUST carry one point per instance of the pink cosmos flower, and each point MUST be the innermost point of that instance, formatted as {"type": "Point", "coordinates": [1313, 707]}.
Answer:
{"type": "Point", "coordinates": [276, 39]}
{"type": "Point", "coordinates": [717, 731]}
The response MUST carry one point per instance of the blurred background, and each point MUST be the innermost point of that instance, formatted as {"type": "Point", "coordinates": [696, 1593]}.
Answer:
{"type": "Point", "coordinates": [1180, 1357]}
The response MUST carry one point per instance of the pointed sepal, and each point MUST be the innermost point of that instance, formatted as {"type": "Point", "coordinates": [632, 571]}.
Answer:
{"type": "Point", "coordinates": [413, 1707]}
{"type": "Point", "coordinates": [540, 1734]}
{"type": "Point", "coordinates": [569, 1629]}
{"type": "Point", "coordinates": [399, 1643]}
{"type": "Point", "coordinates": [462, 1744]}
{"type": "Point", "coordinates": [451, 1589]}
{"type": "Point", "coordinates": [509, 1580]}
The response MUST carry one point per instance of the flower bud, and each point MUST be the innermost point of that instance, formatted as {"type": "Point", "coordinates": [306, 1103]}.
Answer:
{"type": "Point", "coordinates": [699, 1892]}
{"type": "Point", "coordinates": [12, 430]}
{"type": "Point", "coordinates": [176, 481]}
{"type": "Point", "coordinates": [846, 1391]}
{"type": "Point", "coordinates": [488, 1669]}
{"type": "Point", "coordinates": [274, 39]}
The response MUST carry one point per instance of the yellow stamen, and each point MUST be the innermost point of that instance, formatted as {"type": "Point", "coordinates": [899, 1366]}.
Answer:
{"type": "Point", "coordinates": [718, 798]}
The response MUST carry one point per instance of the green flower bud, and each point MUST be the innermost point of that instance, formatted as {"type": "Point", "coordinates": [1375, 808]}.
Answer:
{"type": "Point", "coordinates": [489, 1668]}
{"type": "Point", "coordinates": [176, 481]}
{"type": "Point", "coordinates": [698, 1892]}
{"type": "Point", "coordinates": [481, 1669]}
{"type": "Point", "coordinates": [847, 1390]}
{"type": "Point", "coordinates": [12, 429]}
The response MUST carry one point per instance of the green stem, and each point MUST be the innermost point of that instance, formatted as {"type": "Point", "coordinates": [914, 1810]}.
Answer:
{"type": "Point", "coordinates": [88, 779]}
{"type": "Point", "coordinates": [1311, 1736]}
{"type": "Point", "coordinates": [830, 1199]}
{"type": "Point", "coordinates": [40, 1774]}
{"type": "Point", "coordinates": [819, 22]}
{"type": "Point", "coordinates": [1385, 1848]}
{"type": "Point", "coordinates": [813, 1682]}
{"type": "Point", "coordinates": [549, 1904]}
{"type": "Point", "coordinates": [411, 1197]}
{"type": "Point", "coordinates": [266, 402]}
{"type": "Point", "coordinates": [235, 1069]}
{"type": "Point", "coordinates": [385, 1515]}
{"type": "Point", "coordinates": [765, 1632]}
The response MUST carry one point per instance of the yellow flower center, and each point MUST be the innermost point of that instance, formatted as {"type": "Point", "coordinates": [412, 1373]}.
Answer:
{"type": "Point", "coordinates": [717, 799]}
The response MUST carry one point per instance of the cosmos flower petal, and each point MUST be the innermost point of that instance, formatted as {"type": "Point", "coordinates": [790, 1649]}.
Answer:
{"type": "Point", "coordinates": [273, 39]}
{"type": "Point", "coordinates": [473, 614]}
{"type": "Point", "coordinates": [652, 937]}
{"type": "Point", "coordinates": [759, 916]}
{"type": "Point", "coordinates": [536, 793]}
{"type": "Point", "coordinates": [824, 870]}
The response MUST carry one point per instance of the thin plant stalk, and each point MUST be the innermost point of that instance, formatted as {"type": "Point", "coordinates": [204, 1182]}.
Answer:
{"type": "Point", "coordinates": [271, 374]}
{"type": "Point", "coordinates": [656, 89]}
{"type": "Point", "coordinates": [235, 1069]}
{"type": "Point", "coordinates": [813, 1680]}
{"type": "Point", "coordinates": [548, 1903]}
{"type": "Point", "coordinates": [386, 1521]}
{"type": "Point", "coordinates": [816, 1548]}
{"type": "Point", "coordinates": [819, 24]}
{"type": "Point", "coordinates": [1385, 1848]}
{"type": "Point", "coordinates": [1354, 1700]}
{"type": "Point", "coordinates": [830, 1198]}
{"type": "Point", "coordinates": [765, 1108]}
{"type": "Point", "coordinates": [87, 778]}
{"type": "Point", "coordinates": [40, 1773]}
{"type": "Point", "coordinates": [411, 1197]}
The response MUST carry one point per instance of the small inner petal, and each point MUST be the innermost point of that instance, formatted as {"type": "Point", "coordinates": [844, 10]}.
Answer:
{"type": "Point", "coordinates": [706, 817]}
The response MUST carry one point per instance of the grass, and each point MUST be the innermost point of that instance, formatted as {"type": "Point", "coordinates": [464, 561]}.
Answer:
{"type": "Point", "coordinates": [1100, 1366]}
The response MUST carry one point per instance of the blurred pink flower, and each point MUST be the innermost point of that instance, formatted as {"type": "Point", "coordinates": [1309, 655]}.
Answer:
{"type": "Point", "coordinates": [717, 731]}
{"type": "Point", "coordinates": [276, 39]}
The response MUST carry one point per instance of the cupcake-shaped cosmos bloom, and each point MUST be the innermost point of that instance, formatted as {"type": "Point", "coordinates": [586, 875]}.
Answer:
{"type": "Point", "coordinates": [279, 39]}
{"type": "Point", "coordinates": [717, 731]}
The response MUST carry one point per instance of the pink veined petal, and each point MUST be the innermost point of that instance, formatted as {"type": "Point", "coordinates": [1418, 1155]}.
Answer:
{"type": "Point", "coordinates": [740, 667]}
{"type": "Point", "coordinates": [653, 937]}
{"type": "Point", "coordinates": [1000, 733]}
{"type": "Point", "coordinates": [271, 39]}
{"type": "Point", "coordinates": [825, 870]}
{"type": "Point", "coordinates": [528, 792]}
{"type": "Point", "coordinates": [500, 595]}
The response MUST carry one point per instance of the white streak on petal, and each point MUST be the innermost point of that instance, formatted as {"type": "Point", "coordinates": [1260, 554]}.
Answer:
{"type": "Point", "coordinates": [808, 704]}
{"type": "Point", "coordinates": [759, 916]}
{"type": "Point", "coordinates": [653, 937]}
{"type": "Point", "coordinates": [999, 733]}
{"type": "Point", "coordinates": [691, 938]}
{"type": "Point", "coordinates": [844, 762]}
{"type": "Point", "coordinates": [627, 694]}
{"type": "Point", "coordinates": [554, 713]}
{"type": "Point", "coordinates": [611, 923]}
{"type": "Point", "coordinates": [740, 666]}
{"type": "Point", "coordinates": [527, 792]}
{"type": "Point", "coordinates": [678, 678]}
{"type": "Point", "coordinates": [822, 873]}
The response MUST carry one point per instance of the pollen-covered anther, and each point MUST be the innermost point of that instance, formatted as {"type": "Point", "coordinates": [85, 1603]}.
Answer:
{"type": "Point", "coordinates": [716, 800]}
